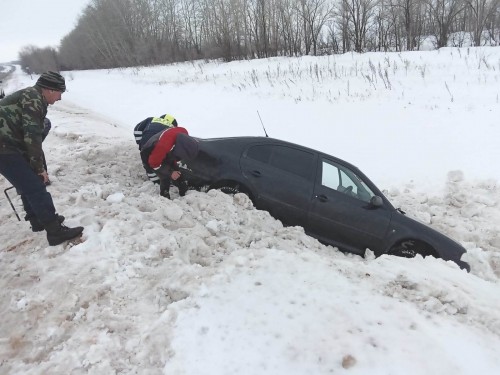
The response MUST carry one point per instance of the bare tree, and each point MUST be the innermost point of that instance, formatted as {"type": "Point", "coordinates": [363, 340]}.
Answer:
{"type": "Point", "coordinates": [314, 15]}
{"type": "Point", "coordinates": [443, 14]}
{"type": "Point", "coordinates": [480, 11]}
{"type": "Point", "coordinates": [493, 26]}
{"type": "Point", "coordinates": [387, 35]}
{"type": "Point", "coordinates": [356, 16]}
{"type": "Point", "coordinates": [408, 13]}
{"type": "Point", "coordinates": [38, 60]}
{"type": "Point", "coordinates": [259, 28]}
{"type": "Point", "coordinates": [113, 33]}
{"type": "Point", "coordinates": [290, 30]}
{"type": "Point", "coordinates": [191, 12]}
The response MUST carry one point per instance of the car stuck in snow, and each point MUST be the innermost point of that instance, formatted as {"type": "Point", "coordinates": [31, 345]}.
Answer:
{"type": "Point", "coordinates": [330, 198]}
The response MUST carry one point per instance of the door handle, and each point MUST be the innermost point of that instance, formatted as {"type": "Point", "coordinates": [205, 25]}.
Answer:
{"type": "Point", "coordinates": [321, 198]}
{"type": "Point", "coordinates": [256, 173]}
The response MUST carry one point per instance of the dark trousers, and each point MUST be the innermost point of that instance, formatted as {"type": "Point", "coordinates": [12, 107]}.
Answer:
{"type": "Point", "coordinates": [37, 201]}
{"type": "Point", "coordinates": [164, 180]}
{"type": "Point", "coordinates": [149, 171]}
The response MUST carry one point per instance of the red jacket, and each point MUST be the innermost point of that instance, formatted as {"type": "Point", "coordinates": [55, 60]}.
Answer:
{"type": "Point", "coordinates": [163, 146]}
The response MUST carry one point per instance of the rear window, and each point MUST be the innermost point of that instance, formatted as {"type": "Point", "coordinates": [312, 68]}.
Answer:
{"type": "Point", "coordinates": [286, 158]}
{"type": "Point", "coordinates": [260, 153]}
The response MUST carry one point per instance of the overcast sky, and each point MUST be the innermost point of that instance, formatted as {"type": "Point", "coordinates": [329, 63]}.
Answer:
{"type": "Point", "coordinates": [35, 22]}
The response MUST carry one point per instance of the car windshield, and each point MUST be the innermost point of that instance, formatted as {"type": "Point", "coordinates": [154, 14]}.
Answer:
{"type": "Point", "coordinates": [344, 180]}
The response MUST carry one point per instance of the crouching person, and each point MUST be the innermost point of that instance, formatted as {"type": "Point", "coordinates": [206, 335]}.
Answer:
{"type": "Point", "coordinates": [22, 115]}
{"type": "Point", "coordinates": [161, 153]}
{"type": "Point", "coordinates": [147, 128]}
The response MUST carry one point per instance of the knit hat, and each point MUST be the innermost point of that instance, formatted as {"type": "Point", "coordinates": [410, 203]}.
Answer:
{"type": "Point", "coordinates": [186, 147]}
{"type": "Point", "coordinates": [52, 81]}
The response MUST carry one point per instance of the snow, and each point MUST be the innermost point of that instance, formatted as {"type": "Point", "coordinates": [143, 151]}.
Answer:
{"type": "Point", "coordinates": [207, 284]}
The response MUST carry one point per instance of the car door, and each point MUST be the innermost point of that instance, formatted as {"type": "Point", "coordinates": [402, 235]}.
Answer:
{"type": "Point", "coordinates": [341, 213]}
{"type": "Point", "coordinates": [281, 178]}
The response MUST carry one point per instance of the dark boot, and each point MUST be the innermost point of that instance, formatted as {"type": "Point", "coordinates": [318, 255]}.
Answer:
{"type": "Point", "coordinates": [36, 226]}
{"type": "Point", "coordinates": [181, 185]}
{"type": "Point", "coordinates": [165, 188]}
{"type": "Point", "coordinates": [183, 188]}
{"type": "Point", "coordinates": [58, 233]}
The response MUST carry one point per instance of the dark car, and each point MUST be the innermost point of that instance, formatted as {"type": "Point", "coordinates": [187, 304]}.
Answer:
{"type": "Point", "coordinates": [331, 199]}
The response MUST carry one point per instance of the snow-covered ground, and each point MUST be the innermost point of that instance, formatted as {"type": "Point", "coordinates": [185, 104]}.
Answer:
{"type": "Point", "coordinates": [206, 284]}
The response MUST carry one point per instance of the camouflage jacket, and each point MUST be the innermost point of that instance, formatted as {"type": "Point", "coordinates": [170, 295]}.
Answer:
{"type": "Point", "coordinates": [21, 125]}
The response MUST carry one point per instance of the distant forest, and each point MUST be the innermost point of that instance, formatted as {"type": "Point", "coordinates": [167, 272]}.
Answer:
{"type": "Point", "coordinates": [126, 33]}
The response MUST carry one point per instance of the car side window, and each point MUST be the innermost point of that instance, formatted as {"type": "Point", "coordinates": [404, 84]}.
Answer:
{"type": "Point", "coordinates": [344, 180]}
{"type": "Point", "coordinates": [288, 159]}
{"type": "Point", "coordinates": [330, 177]}
{"type": "Point", "coordinates": [260, 153]}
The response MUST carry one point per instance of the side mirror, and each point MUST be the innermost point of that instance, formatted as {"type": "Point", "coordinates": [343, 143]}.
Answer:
{"type": "Point", "coordinates": [376, 201]}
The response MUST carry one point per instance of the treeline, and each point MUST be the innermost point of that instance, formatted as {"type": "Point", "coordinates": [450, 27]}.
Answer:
{"type": "Point", "coordinates": [124, 33]}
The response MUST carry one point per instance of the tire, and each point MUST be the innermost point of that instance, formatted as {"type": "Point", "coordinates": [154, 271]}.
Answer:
{"type": "Point", "coordinates": [233, 188]}
{"type": "Point", "coordinates": [230, 189]}
{"type": "Point", "coordinates": [400, 251]}
{"type": "Point", "coordinates": [411, 248]}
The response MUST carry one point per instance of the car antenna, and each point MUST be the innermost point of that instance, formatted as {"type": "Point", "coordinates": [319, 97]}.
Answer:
{"type": "Point", "coordinates": [262, 125]}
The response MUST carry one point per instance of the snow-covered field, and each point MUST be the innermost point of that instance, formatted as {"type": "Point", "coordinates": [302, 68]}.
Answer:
{"type": "Point", "coordinates": [206, 284]}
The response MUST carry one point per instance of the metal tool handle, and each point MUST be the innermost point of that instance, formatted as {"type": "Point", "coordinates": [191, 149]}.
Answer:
{"type": "Point", "coordinates": [8, 198]}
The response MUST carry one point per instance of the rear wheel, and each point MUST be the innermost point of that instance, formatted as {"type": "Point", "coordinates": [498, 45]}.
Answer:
{"type": "Point", "coordinates": [230, 189]}
{"type": "Point", "coordinates": [233, 188]}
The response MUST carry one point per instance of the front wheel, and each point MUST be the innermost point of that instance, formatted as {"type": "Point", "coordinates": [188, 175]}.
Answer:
{"type": "Point", "coordinates": [411, 248]}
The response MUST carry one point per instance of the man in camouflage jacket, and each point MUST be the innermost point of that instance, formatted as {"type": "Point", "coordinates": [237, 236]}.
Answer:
{"type": "Point", "coordinates": [22, 116]}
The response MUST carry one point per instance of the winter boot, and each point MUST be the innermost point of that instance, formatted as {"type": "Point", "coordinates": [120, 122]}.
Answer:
{"type": "Point", "coordinates": [165, 188]}
{"type": "Point", "coordinates": [36, 226]}
{"type": "Point", "coordinates": [183, 188]}
{"type": "Point", "coordinates": [58, 233]}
